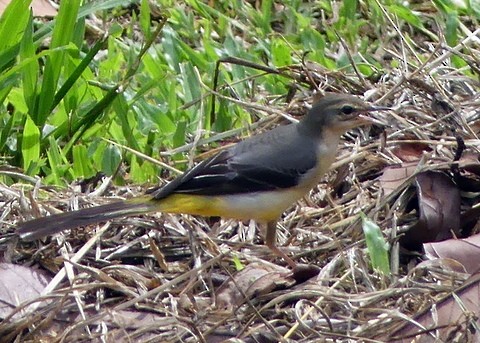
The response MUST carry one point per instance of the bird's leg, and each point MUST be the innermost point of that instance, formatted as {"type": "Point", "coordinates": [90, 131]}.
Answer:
{"type": "Point", "coordinates": [271, 242]}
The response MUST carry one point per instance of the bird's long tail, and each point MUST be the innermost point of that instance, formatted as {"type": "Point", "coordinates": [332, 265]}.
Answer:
{"type": "Point", "coordinates": [38, 228]}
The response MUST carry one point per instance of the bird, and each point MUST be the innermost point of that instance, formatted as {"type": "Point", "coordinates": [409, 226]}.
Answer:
{"type": "Point", "coordinates": [257, 178]}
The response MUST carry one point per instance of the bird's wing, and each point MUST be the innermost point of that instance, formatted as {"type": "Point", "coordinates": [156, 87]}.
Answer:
{"type": "Point", "coordinates": [261, 163]}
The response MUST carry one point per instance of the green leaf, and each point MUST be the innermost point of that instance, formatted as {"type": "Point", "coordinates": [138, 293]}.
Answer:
{"type": "Point", "coordinates": [29, 72]}
{"type": "Point", "coordinates": [6, 131]}
{"type": "Point", "coordinates": [142, 171]}
{"type": "Point", "coordinates": [12, 23]}
{"type": "Point", "coordinates": [136, 172]}
{"type": "Point", "coordinates": [82, 165]}
{"type": "Point", "coordinates": [145, 18]}
{"type": "Point", "coordinates": [91, 7]}
{"type": "Point", "coordinates": [349, 9]}
{"type": "Point", "coordinates": [127, 123]}
{"type": "Point", "coordinates": [111, 159]}
{"type": "Point", "coordinates": [313, 42]}
{"type": "Point", "coordinates": [266, 16]}
{"type": "Point", "coordinates": [170, 48]}
{"type": "Point", "coordinates": [376, 245]}
{"type": "Point", "coordinates": [77, 73]}
{"type": "Point", "coordinates": [406, 14]}
{"type": "Point", "coordinates": [190, 81]}
{"type": "Point", "coordinates": [63, 34]}
{"type": "Point", "coordinates": [30, 146]}
{"type": "Point", "coordinates": [195, 57]}
{"type": "Point", "coordinates": [89, 119]}
{"type": "Point", "coordinates": [238, 264]}
{"type": "Point", "coordinates": [445, 6]}
{"type": "Point", "coordinates": [55, 161]}
{"type": "Point", "coordinates": [451, 28]}
{"type": "Point", "coordinates": [7, 76]}
{"type": "Point", "coordinates": [475, 7]}
{"type": "Point", "coordinates": [179, 136]}
{"type": "Point", "coordinates": [281, 54]}
{"type": "Point", "coordinates": [17, 99]}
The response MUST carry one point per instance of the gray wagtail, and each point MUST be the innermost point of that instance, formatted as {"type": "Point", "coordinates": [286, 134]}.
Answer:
{"type": "Point", "coordinates": [257, 178]}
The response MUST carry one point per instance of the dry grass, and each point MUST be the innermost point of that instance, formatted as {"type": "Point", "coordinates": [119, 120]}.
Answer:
{"type": "Point", "coordinates": [156, 278]}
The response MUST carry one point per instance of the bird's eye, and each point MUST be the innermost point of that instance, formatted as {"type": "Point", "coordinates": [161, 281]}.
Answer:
{"type": "Point", "coordinates": [347, 109]}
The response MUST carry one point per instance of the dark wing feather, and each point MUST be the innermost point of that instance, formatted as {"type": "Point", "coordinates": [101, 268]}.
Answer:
{"type": "Point", "coordinates": [269, 161]}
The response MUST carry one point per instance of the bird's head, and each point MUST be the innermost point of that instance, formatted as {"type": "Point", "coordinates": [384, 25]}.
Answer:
{"type": "Point", "coordinates": [338, 113]}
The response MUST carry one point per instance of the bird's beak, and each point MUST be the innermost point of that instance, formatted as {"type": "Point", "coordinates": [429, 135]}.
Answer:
{"type": "Point", "coordinates": [362, 119]}
{"type": "Point", "coordinates": [377, 108]}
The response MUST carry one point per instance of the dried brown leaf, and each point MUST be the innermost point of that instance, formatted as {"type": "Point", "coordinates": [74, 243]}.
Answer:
{"type": "Point", "coordinates": [466, 251]}
{"type": "Point", "coordinates": [470, 162]}
{"type": "Point", "coordinates": [439, 210]}
{"type": "Point", "coordinates": [19, 284]}
{"type": "Point", "coordinates": [409, 152]}
{"type": "Point", "coordinates": [255, 279]}
{"type": "Point", "coordinates": [394, 176]}
{"type": "Point", "coordinates": [453, 319]}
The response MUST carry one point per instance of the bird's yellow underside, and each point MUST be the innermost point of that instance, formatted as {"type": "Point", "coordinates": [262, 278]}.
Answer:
{"type": "Point", "coordinates": [191, 204]}
{"type": "Point", "coordinates": [261, 206]}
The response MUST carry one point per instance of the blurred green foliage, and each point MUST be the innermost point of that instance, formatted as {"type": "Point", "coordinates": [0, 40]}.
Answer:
{"type": "Point", "coordinates": [142, 81]}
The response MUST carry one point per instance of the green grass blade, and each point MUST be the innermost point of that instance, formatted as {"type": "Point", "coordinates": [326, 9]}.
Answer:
{"type": "Point", "coordinates": [62, 36]}
{"type": "Point", "coordinates": [145, 18]}
{"type": "Point", "coordinates": [91, 116]}
{"type": "Point", "coordinates": [58, 163]}
{"type": "Point", "coordinates": [127, 125]}
{"type": "Point", "coordinates": [29, 72]}
{"type": "Point", "coordinates": [82, 165]}
{"type": "Point", "coordinates": [31, 146]}
{"type": "Point", "coordinates": [77, 73]}
{"type": "Point", "coordinates": [13, 22]}
{"type": "Point", "coordinates": [6, 131]}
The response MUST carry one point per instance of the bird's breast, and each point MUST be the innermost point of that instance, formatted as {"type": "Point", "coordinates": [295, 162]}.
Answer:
{"type": "Point", "coordinates": [326, 152]}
